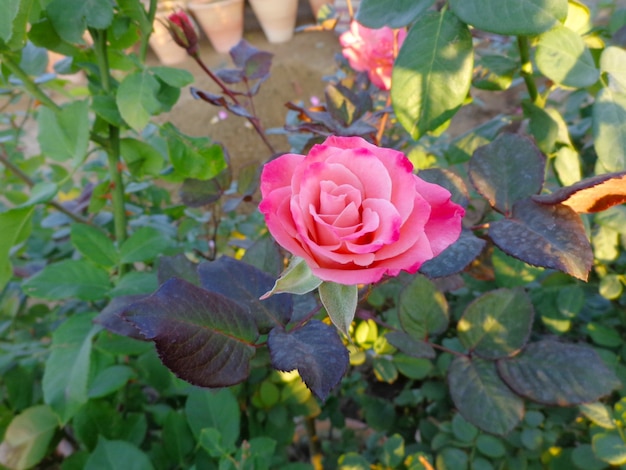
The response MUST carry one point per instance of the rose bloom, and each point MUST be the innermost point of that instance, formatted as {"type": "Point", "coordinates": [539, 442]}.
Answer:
{"type": "Point", "coordinates": [356, 212]}
{"type": "Point", "coordinates": [372, 51]}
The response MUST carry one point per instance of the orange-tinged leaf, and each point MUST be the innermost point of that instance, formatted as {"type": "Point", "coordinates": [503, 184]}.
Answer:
{"type": "Point", "coordinates": [595, 194]}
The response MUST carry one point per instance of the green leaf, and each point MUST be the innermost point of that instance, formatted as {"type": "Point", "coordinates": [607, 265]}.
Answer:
{"type": "Point", "coordinates": [141, 158]}
{"type": "Point", "coordinates": [16, 227]}
{"type": "Point", "coordinates": [481, 396]}
{"type": "Point", "coordinates": [422, 309]}
{"type": "Point", "coordinates": [178, 441]}
{"type": "Point", "coordinates": [494, 72]}
{"type": "Point", "coordinates": [511, 17]}
{"type": "Point", "coordinates": [296, 279]}
{"type": "Point", "coordinates": [137, 99]}
{"type": "Point", "coordinates": [110, 380]}
{"type": "Point", "coordinates": [609, 129]}
{"type": "Point", "coordinates": [613, 62]}
{"type": "Point", "coordinates": [376, 14]}
{"type": "Point", "coordinates": [135, 283]}
{"type": "Point", "coordinates": [490, 446]}
{"type": "Point", "coordinates": [495, 170]}
{"type": "Point", "coordinates": [609, 447]}
{"type": "Point", "coordinates": [340, 303]}
{"type": "Point", "coordinates": [542, 126]}
{"type": "Point", "coordinates": [113, 455]}
{"type": "Point", "coordinates": [66, 374]}
{"type": "Point", "coordinates": [497, 324]}
{"type": "Point", "coordinates": [584, 458]}
{"type": "Point", "coordinates": [564, 58]}
{"type": "Point", "coordinates": [144, 245]}
{"type": "Point", "coordinates": [172, 76]}
{"type": "Point", "coordinates": [64, 135]}
{"type": "Point", "coordinates": [599, 414]}
{"type": "Point", "coordinates": [14, 23]}
{"type": "Point", "coordinates": [556, 373]}
{"type": "Point", "coordinates": [41, 193]}
{"type": "Point", "coordinates": [71, 17]}
{"type": "Point", "coordinates": [462, 430]}
{"type": "Point", "coordinates": [67, 279]}
{"type": "Point", "coordinates": [548, 236]}
{"type": "Point", "coordinates": [217, 409]}
{"type": "Point", "coordinates": [410, 346]}
{"type": "Point", "coordinates": [193, 157]}
{"type": "Point", "coordinates": [27, 437]}
{"type": "Point", "coordinates": [94, 245]}
{"type": "Point", "coordinates": [433, 73]}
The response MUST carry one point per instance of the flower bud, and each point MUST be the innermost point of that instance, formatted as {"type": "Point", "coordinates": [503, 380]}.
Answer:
{"type": "Point", "coordinates": [183, 31]}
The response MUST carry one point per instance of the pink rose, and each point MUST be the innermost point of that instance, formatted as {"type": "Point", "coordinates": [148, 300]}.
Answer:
{"type": "Point", "coordinates": [356, 212]}
{"type": "Point", "coordinates": [372, 51]}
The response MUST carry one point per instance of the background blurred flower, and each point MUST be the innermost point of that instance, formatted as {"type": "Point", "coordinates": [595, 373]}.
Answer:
{"type": "Point", "coordinates": [372, 51]}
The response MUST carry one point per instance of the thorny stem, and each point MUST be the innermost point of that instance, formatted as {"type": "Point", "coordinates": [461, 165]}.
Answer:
{"type": "Point", "coordinates": [252, 120]}
{"type": "Point", "coordinates": [113, 148]}
{"type": "Point", "coordinates": [383, 120]}
{"type": "Point", "coordinates": [4, 159]}
{"type": "Point", "coordinates": [527, 68]}
{"type": "Point", "coordinates": [315, 448]}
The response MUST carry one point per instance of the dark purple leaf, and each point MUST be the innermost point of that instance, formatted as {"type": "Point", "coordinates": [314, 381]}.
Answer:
{"type": "Point", "coordinates": [238, 110]}
{"type": "Point", "coordinates": [198, 193]}
{"type": "Point", "coordinates": [507, 170]}
{"type": "Point", "coordinates": [230, 76]}
{"type": "Point", "coordinates": [245, 284]}
{"type": "Point", "coordinates": [482, 397]}
{"type": "Point", "coordinates": [111, 317]}
{"type": "Point", "coordinates": [315, 350]}
{"type": "Point", "coordinates": [203, 337]}
{"type": "Point", "coordinates": [254, 89]}
{"type": "Point", "coordinates": [557, 373]}
{"type": "Point", "coordinates": [547, 236]}
{"type": "Point", "coordinates": [456, 257]}
{"type": "Point", "coordinates": [254, 62]}
{"type": "Point", "coordinates": [345, 105]}
{"type": "Point", "coordinates": [217, 100]}
{"type": "Point", "coordinates": [449, 180]}
{"type": "Point", "coordinates": [410, 346]}
{"type": "Point", "coordinates": [177, 266]}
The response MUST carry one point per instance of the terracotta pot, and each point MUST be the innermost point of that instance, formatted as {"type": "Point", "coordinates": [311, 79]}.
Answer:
{"type": "Point", "coordinates": [161, 42]}
{"type": "Point", "coordinates": [317, 4]}
{"type": "Point", "coordinates": [277, 18]}
{"type": "Point", "coordinates": [221, 21]}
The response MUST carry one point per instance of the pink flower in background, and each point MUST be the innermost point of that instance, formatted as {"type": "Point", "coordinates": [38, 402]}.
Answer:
{"type": "Point", "coordinates": [356, 212]}
{"type": "Point", "coordinates": [372, 51]}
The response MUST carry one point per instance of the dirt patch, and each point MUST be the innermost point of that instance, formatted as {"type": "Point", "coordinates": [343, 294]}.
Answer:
{"type": "Point", "coordinates": [298, 69]}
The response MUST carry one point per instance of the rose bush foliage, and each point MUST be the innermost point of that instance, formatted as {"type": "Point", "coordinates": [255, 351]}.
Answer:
{"type": "Point", "coordinates": [372, 51]}
{"type": "Point", "coordinates": [356, 212]}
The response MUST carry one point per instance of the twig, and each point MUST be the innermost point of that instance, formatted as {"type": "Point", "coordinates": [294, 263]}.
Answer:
{"type": "Point", "coordinates": [252, 120]}
{"type": "Point", "coordinates": [315, 449]}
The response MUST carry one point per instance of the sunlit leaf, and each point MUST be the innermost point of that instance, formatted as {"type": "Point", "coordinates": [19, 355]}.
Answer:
{"type": "Point", "coordinates": [594, 194]}
{"type": "Point", "coordinates": [481, 396]}
{"type": "Point", "coordinates": [16, 227]}
{"type": "Point", "coordinates": [27, 437]}
{"type": "Point", "coordinates": [497, 324]}
{"type": "Point", "coordinates": [64, 134]}
{"type": "Point", "coordinates": [433, 72]}
{"type": "Point", "coordinates": [609, 129]}
{"type": "Point", "coordinates": [556, 373]}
